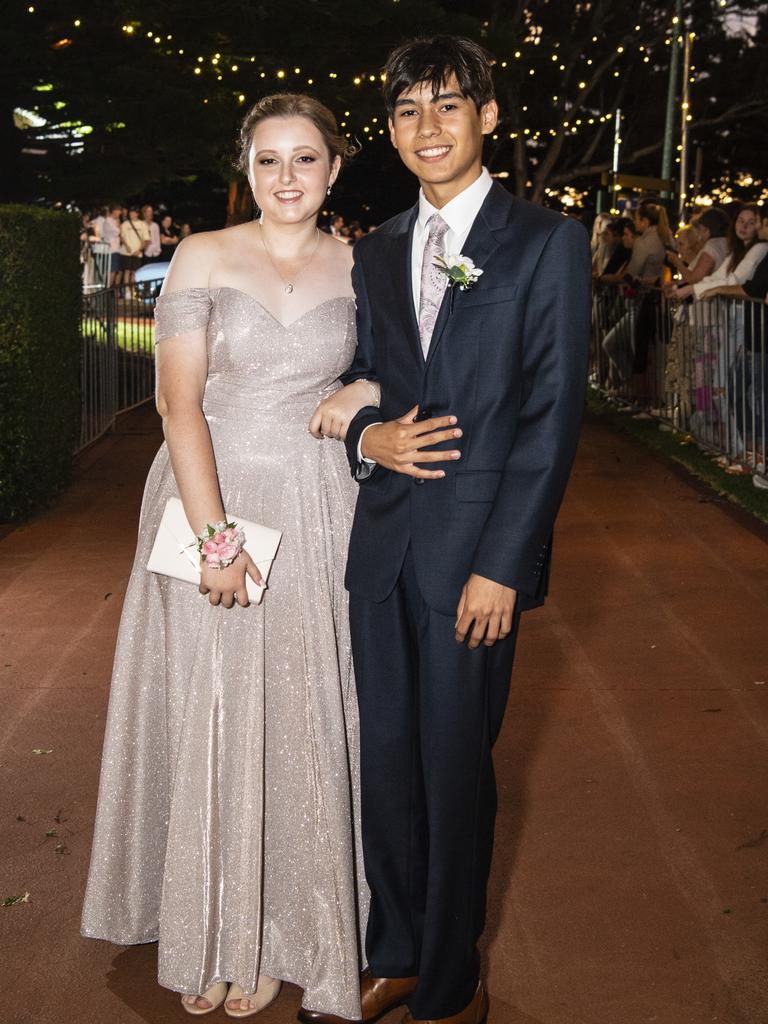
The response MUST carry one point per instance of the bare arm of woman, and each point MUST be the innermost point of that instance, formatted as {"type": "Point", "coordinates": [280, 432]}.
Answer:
{"type": "Point", "coordinates": [182, 370]}
{"type": "Point", "coordinates": [334, 414]}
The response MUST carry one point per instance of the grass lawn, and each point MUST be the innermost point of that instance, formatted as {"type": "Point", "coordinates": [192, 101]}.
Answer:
{"type": "Point", "coordinates": [681, 448]}
{"type": "Point", "coordinates": [132, 333]}
{"type": "Point", "coordinates": [136, 335]}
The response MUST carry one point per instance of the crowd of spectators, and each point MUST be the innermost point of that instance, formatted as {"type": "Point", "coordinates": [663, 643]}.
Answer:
{"type": "Point", "coordinates": [134, 236]}
{"type": "Point", "coordinates": [137, 235]}
{"type": "Point", "coordinates": [349, 233]}
{"type": "Point", "coordinates": [711, 358]}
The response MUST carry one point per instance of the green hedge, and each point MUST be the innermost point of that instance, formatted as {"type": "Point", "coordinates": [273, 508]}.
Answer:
{"type": "Point", "coordinates": [40, 295]}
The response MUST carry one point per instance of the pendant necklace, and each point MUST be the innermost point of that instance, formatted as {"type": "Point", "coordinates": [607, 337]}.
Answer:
{"type": "Point", "coordinates": [288, 286]}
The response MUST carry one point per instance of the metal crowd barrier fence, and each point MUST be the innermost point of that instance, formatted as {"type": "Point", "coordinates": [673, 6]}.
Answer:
{"type": "Point", "coordinates": [699, 367]}
{"type": "Point", "coordinates": [117, 354]}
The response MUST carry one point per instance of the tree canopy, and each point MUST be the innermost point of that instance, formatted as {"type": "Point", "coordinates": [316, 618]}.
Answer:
{"type": "Point", "coordinates": [119, 99]}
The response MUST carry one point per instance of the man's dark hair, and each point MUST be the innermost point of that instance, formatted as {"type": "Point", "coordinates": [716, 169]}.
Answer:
{"type": "Point", "coordinates": [433, 61]}
{"type": "Point", "coordinates": [716, 220]}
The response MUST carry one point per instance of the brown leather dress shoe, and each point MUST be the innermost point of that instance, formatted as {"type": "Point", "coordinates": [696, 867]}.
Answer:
{"type": "Point", "coordinates": [380, 995]}
{"type": "Point", "coordinates": [316, 1017]}
{"type": "Point", "coordinates": [475, 1013]}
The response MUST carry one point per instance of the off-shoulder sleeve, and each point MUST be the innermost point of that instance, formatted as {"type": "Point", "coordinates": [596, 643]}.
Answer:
{"type": "Point", "coordinates": [179, 312]}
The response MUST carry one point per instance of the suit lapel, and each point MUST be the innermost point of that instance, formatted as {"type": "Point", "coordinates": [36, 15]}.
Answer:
{"type": "Point", "coordinates": [480, 246]}
{"type": "Point", "coordinates": [404, 288]}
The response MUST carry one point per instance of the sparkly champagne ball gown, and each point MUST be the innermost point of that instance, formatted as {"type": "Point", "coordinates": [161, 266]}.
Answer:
{"type": "Point", "coordinates": [228, 816]}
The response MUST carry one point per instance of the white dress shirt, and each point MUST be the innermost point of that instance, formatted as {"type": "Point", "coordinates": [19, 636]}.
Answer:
{"type": "Point", "coordinates": [459, 214]}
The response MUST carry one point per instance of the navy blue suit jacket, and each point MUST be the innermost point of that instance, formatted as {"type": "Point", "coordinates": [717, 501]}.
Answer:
{"type": "Point", "coordinates": [508, 357]}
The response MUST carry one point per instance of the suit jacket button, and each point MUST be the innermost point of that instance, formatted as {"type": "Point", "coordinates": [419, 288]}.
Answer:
{"type": "Point", "coordinates": [418, 480]}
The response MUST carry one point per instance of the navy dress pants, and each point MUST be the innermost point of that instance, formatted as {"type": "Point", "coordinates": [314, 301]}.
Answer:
{"type": "Point", "coordinates": [430, 711]}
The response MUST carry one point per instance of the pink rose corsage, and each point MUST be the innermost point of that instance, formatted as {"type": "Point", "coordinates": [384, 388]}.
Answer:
{"type": "Point", "coordinates": [220, 544]}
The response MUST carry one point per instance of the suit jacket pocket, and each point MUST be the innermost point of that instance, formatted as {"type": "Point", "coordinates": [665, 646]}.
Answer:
{"type": "Point", "coordinates": [477, 486]}
{"type": "Point", "coordinates": [479, 296]}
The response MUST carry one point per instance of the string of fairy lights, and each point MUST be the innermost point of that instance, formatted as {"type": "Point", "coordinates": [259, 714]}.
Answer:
{"type": "Point", "coordinates": [528, 60]}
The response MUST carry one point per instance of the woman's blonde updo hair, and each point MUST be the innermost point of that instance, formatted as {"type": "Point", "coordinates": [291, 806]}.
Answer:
{"type": "Point", "coordinates": [291, 104]}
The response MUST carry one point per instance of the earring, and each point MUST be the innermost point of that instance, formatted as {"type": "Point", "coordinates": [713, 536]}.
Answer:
{"type": "Point", "coordinates": [328, 190]}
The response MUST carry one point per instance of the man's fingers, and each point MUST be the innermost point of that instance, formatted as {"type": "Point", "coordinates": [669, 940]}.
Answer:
{"type": "Point", "coordinates": [462, 627]}
{"type": "Point", "coordinates": [227, 600]}
{"type": "Point", "coordinates": [493, 631]}
{"type": "Point", "coordinates": [437, 437]}
{"type": "Point", "coordinates": [425, 474]}
{"type": "Point", "coordinates": [477, 635]}
{"type": "Point", "coordinates": [437, 423]}
{"type": "Point", "coordinates": [214, 597]}
{"type": "Point", "coordinates": [417, 455]}
{"type": "Point", "coordinates": [506, 626]}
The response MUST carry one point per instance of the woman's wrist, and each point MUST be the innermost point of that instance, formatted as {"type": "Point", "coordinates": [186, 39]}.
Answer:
{"type": "Point", "coordinates": [374, 389]}
{"type": "Point", "coordinates": [219, 544]}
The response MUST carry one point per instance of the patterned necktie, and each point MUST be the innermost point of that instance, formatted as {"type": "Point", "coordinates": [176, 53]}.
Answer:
{"type": "Point", "coordinates": [433, 280]}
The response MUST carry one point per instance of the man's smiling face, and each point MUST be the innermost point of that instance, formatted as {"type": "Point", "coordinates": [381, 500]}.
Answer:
{"type": "Point", "coordinates": [440, 137]}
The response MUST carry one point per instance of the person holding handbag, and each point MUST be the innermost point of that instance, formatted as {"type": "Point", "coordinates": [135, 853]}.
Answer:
{"type": "Point", "coordinates": [228, 821]}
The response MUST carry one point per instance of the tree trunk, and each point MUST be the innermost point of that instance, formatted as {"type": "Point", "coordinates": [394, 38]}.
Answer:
{"type": "Point", "coordinates": [239, 203]}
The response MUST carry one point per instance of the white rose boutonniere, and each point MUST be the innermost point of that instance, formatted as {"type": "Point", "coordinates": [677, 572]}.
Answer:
{"type": "Point", "coordinates": [460, 270]}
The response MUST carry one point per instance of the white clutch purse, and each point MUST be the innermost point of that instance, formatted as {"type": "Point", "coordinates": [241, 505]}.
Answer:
{"type": "Point", "coordinates": [174, 552]}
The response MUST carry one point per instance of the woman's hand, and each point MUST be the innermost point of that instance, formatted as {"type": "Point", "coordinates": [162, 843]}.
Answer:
{"type": "Point", "coordinates": [225, 586]}
{"type": "Point", "coordinates": [710, 293]}
{"type": "Point", "coordinates": [684, 292]}
{"type": "Point", "coordinates": [334, 414]}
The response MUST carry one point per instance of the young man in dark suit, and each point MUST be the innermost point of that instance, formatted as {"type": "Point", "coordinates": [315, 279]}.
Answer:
{"type": "Point", "coordinates": [458, 498]}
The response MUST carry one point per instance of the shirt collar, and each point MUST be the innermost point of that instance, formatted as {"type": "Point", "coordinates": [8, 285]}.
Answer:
{"type": "Point", "coordinates": [461, 211]}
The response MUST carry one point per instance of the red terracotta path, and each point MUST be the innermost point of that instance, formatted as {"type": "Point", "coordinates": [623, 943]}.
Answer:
{"type": "Point", "coordinates": [630, 883]}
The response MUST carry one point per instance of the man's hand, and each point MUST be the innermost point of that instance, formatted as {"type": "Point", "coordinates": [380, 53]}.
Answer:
{"type": "Point", "coordinates": [397, 444]}
{"type": "Point", "coordinates": [487, 608]}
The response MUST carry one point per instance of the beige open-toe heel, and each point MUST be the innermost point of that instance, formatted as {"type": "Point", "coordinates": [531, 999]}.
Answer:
{"type": "Point", "coordinates": [266, 992]}
{"type": "Point", "coordinates": [215, 995]}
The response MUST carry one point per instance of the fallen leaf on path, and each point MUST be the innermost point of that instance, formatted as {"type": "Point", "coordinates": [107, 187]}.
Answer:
{"type": "Point", "coordinates": [12, 901]}
{"type": "Point", "coordinates": [751, 844]}
{"type": "Point", "coordinates": [52, 832]}
{"type": "Point", "coordinates": [61, 848]}
{"type": "Point", "coordinates": [41, 750]}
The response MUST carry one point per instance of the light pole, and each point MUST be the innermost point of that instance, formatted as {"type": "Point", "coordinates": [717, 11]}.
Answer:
{"type": "Point", "coordinates": [669, 123]}
{"type": "Point", "coordinates": [684, 122]}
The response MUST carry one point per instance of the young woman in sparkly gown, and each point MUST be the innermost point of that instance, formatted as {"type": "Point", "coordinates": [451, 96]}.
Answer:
{"type": "Point", "coordinates": [227, 825]}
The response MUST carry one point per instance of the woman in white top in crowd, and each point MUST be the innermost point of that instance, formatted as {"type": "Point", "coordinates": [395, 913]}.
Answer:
{"type": "Point", "coordinates": [745, 252]}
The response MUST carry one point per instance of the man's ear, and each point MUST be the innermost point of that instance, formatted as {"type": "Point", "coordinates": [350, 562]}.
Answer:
{"type": "Point", "coordinates": [391, 124]}
{"type": "Point", "coordinates": [489, 117]}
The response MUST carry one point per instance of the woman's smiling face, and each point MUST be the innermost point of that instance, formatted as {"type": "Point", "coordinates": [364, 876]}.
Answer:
{"type": "Point", "coordinates": [290, 168]}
